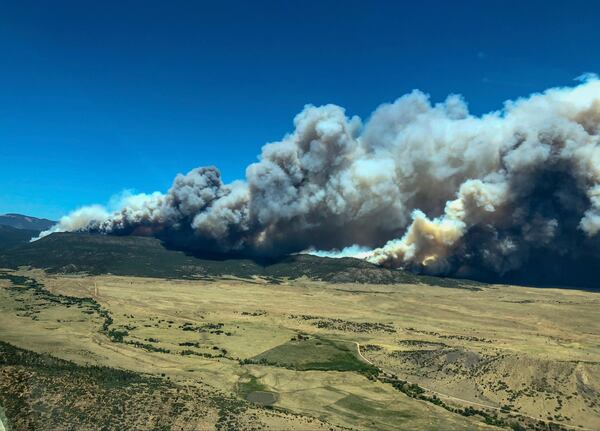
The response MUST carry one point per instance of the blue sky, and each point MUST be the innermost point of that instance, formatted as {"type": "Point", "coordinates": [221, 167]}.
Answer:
{"type": "Point", "coordinates": [98, 97]}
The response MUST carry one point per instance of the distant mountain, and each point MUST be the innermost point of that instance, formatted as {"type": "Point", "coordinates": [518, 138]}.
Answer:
{"type": "Point", "coordinates": [145, 256]}
{"type": "Point", "coordinates": [11, 237]}
{"type": "Point", "coordinates": [20, 221]}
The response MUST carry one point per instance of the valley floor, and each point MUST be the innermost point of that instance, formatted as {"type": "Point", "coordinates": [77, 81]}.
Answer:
{"type": "Point", "coordinates": [298, 354]}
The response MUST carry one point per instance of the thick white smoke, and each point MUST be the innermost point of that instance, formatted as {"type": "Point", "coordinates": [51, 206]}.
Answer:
{"type": "Point", "coordinates": [424, 186]}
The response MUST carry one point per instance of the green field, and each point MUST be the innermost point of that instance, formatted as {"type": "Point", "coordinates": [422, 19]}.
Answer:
{"type": "Point", "coordinates": [316, 353]}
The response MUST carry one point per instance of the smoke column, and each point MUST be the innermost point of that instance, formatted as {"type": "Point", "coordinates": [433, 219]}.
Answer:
{"type": "Point", "coordinates": [422, 186]}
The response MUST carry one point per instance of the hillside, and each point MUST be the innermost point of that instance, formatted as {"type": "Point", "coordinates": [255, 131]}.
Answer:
{"type": "Point", "coordinates": [11, 237]}
{"type": "Point", "coordinates": [20, 221]}
{"type": "Point", "coordinates": [144, 256]}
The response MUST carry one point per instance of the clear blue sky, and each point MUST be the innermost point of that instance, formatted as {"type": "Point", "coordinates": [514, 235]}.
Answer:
{"type": "Point", "coordinates": [101, 96]}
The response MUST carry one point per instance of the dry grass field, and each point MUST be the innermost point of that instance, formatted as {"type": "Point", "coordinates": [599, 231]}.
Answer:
{"type": "Point", "coordinates": [305, 354]}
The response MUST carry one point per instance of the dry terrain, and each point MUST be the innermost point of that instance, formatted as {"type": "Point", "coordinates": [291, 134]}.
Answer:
{"type": "Point", "coordinates": [230, 353]}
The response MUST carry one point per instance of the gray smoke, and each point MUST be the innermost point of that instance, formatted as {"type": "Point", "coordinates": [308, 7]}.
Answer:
{"type": "Point", "coordinates": [422, 186]}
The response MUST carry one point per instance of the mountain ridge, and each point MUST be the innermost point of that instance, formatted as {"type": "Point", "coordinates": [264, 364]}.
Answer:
{"type": "Point", "coordinates": [21, 221]}
{"type": "Point", "coordinates": [96, 254]}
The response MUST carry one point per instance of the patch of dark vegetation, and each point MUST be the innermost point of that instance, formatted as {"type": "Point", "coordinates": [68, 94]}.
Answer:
{"type": "Point", "coordinates": [211, 328]}
{"type": "Point", "coordinates": [454, 283]}
{"type": "Point", "coordinates": [451, 337]}
{"type": "Point", "coordinates": [254, 313]}
{"type": "Point", "coordinates": [117, 335]}
{"type": "Point", "coordinates": [522, 301]}
{"type": "Point", "coordinates": [371, 348]}
{"type": "Point", "coordinates": [422, 343]}
{"type": "Point", "coordinates": [223, 353]}
{"type": "Point", "coordinates": [272, 280]}
{"type": "Point", "coordinates": [345, 325]}
{"type": "Point", "coordinates": [190, 344]}
{"type": "Point", "coordinates": [147, 347]}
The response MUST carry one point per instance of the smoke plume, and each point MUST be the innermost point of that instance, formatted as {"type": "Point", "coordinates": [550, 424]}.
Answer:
{"type": "Point", "coordinates": [422, 186]}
